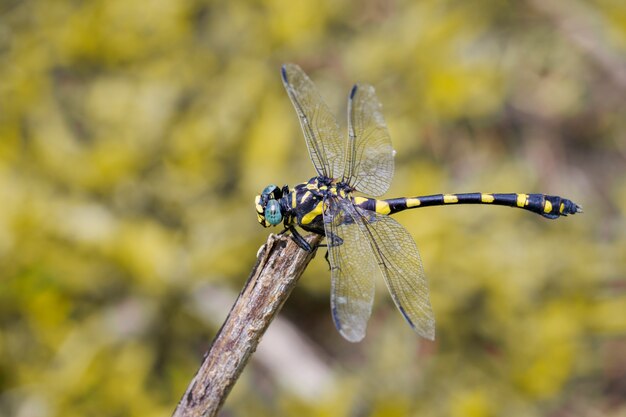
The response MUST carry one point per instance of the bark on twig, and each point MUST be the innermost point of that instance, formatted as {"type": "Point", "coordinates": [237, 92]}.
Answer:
{"type": "Point", "coordinates": [278, 268]}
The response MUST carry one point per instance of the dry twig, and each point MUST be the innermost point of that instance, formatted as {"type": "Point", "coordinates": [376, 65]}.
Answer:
{"type": "Point", "coordinates": [278, 268]}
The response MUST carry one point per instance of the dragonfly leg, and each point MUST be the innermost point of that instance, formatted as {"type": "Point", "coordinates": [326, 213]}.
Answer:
{"type": "Point", "coordinates": [330, 267]}
{"type": "Point", "coordinates": [297, 237]}
{"type": "Point", "coordinates": [334, 240]}
{"type": "Point", "coordinates": [325, 245]}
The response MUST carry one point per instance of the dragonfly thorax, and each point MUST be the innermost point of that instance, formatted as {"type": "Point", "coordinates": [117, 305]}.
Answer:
{"type": "Point", "coordinates": [302, 205]}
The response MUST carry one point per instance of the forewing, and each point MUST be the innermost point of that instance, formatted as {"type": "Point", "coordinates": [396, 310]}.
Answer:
{"type": "Point", "coordinates": [353, 269]}
{"type": "Point", "coordinates": [320, 128]}
{"type": "Point", "coordinates": [369, 154]}
{"type": "Point", "coordinates": [401, 266]}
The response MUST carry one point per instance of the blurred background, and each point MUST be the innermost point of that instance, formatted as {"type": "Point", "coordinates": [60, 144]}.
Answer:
{"type": "Point", "coordinates": [135, 135]}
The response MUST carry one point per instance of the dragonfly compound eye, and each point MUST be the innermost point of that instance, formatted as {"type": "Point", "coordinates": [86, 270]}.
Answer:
{"type": "Point", "coordinates": [271, 191]}
{"type": "Point", "coordinates": [272, 212]}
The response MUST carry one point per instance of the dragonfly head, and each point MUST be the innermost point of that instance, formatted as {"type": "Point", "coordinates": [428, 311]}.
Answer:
{"type": "Point", "coordinates": [268, 210]}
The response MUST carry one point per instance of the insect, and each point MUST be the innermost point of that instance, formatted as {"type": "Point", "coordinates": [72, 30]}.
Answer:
{"type": "Point", "coordinates": [362, 239]}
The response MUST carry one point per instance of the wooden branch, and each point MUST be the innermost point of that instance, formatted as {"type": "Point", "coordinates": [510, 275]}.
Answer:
{"type": "Point", "coordinates": [279, 266]}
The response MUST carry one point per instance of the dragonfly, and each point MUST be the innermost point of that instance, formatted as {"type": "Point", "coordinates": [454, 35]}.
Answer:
{"type": "Point", "coordinates": [363, 241]}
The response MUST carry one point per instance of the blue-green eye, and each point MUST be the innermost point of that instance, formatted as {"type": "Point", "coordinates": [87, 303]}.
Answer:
{"type": "Point", "coordinates": [269, 190]}
{"type": "Point", "coordinates": [272, 212]}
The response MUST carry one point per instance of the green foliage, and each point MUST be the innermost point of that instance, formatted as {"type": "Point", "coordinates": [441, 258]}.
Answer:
{"type": "Point", "coordinates": [134, 136]}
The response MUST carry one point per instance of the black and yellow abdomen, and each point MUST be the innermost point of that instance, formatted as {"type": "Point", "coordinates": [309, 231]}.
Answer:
{"type": "Point", "coordinates": [549, 206]}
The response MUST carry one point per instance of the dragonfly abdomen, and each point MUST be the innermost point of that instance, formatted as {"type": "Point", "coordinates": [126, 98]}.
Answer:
{"type": "Point", "coordinates": [549, 206]}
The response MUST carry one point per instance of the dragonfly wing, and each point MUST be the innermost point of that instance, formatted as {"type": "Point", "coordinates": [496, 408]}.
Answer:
{"type": "Point", "coordinates": [401, 266]}
{"type": "Point", "coordinates": [353, 268]}
{"type": "Point", "coordinates": [369, 154]}
{"type": "Point", "coordinates": [321, 131]}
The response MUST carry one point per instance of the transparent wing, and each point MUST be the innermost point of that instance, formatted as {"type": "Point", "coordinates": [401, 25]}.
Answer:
{"type": "Point", "coordinates": [321, 132]}
{"type": "Point", "coordinates": [400, 263]}
{"type": "Point", "coordinates": [369, 154]}
{"type": "Point", "coordinates": [353, 269]}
